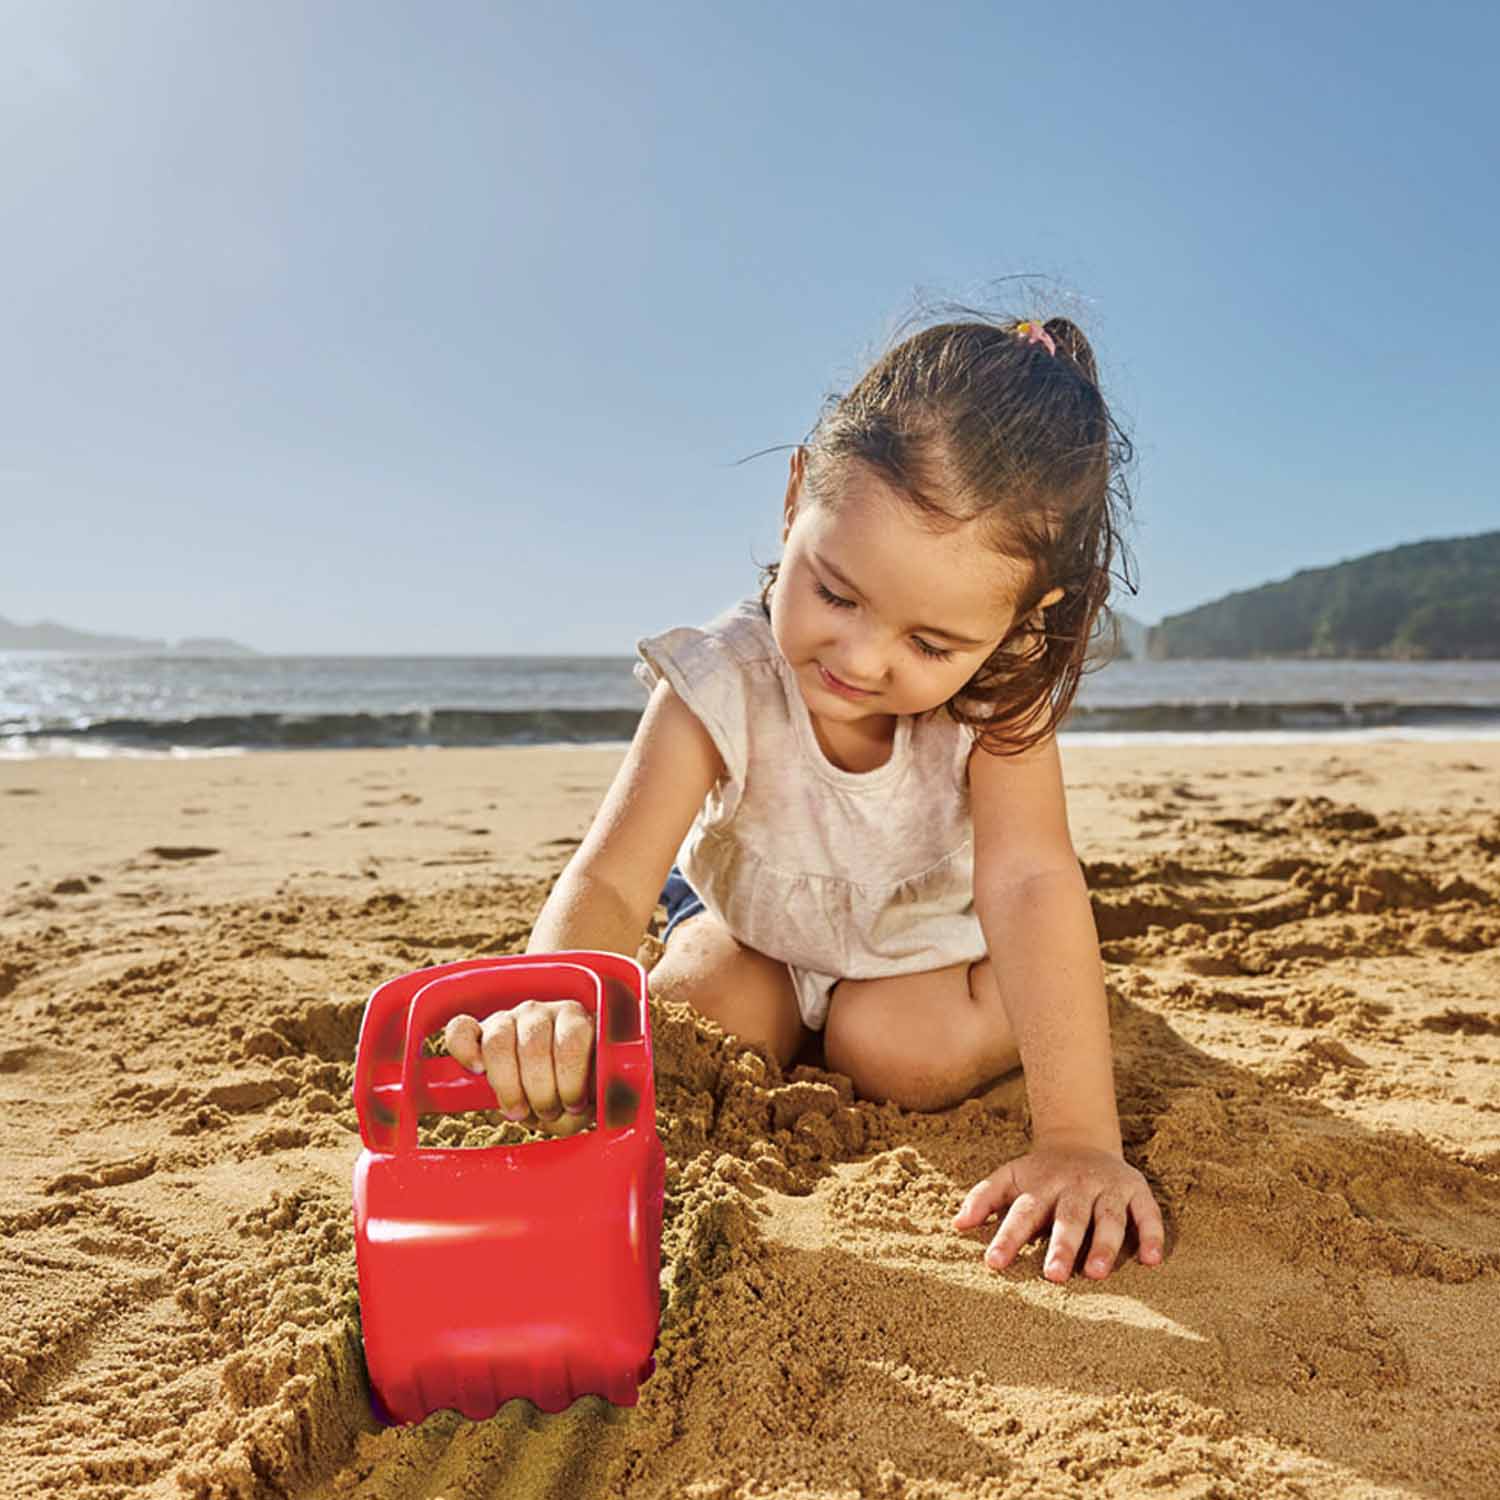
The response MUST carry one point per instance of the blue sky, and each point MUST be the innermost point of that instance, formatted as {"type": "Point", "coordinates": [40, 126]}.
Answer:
{"type": "Point", "coordinates": [339, 327]}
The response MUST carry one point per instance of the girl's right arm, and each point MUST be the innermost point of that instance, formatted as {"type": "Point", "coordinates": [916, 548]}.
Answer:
{"type": "Point", "coordinates": [537, 1055]}
{"type": "Point", "coordinates": [605, 896]}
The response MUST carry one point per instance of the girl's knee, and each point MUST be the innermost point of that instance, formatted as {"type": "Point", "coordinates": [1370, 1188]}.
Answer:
{"type": "Point", "coordinates": [869, 1037]}
{"type": "Point", "coordinates": [745, 993]}
{"type": "Point", "coordinates": [956, 1050]}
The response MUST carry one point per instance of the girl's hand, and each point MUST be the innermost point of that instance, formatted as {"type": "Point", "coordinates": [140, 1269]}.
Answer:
{"type": "Point", "coordinates": [1073, 1186]}
{"type": "Point", "coordinates": [537, 1056]}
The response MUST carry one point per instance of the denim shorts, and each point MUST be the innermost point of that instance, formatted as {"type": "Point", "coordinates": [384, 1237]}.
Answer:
{"type": "Point", "coordinates": [680, 899]}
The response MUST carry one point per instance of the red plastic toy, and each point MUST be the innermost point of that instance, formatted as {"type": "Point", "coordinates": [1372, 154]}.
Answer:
{"type": "Point", "coordinates": [502, 1271]}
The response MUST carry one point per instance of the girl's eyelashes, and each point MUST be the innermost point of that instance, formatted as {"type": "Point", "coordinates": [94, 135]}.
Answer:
{"type": "Point", "coordinates": [839, 603]}
{"type": "Point", "coordinates": [931, 651]}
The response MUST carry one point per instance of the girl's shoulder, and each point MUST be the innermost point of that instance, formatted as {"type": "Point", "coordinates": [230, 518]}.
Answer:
{"type": "Point", "coordinates": [744, 630]}
{"type": "Point", "coordinates": [725, 671]}
{"type": "Point", "coordinates": [739, 636]}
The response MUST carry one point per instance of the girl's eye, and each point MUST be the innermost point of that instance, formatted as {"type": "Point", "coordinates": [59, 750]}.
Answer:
{"type": "Point", "coordinates": [832, 599]}
{"type": "Point", "coordinates": [927, 650]}
{"type": "Point", "coordinates": [839, 603]}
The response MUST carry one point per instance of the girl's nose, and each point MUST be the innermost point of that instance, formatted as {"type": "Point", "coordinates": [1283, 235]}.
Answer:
{"type": "Point", "coordinates": [862, 660]}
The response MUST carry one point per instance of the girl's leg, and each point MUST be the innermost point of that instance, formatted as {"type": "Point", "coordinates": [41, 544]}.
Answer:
{"type": "Point", "coordinates": [748, 994]}
{"type": "Point", "coordinates": [923, 1041]}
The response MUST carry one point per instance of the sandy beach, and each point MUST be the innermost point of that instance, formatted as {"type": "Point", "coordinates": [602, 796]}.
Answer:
{"type": "Point", "coordinates": [1302, 949]}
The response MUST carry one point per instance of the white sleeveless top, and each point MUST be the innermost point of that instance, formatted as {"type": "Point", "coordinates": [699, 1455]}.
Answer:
{"type": "Point", "coordinates": [840, 874]}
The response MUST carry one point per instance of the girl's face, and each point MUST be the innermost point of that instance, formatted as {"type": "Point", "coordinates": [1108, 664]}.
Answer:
{"type": "Point", "coordinates": [866, 594]}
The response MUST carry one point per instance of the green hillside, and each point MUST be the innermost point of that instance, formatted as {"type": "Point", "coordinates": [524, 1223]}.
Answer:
{"type": "Point", "coordinates": [1427, 601]}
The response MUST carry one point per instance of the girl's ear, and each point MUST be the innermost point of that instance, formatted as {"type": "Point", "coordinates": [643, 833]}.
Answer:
{"type": "Point", "coordinates": [1035, 621]}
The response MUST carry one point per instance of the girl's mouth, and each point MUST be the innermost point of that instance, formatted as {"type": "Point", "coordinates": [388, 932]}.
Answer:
{"type": "Point", "coordinates": [835, 685]}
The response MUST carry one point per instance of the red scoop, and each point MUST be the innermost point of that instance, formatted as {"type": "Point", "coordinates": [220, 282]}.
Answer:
{"type": "Point", "coordinates": [504, 1271]}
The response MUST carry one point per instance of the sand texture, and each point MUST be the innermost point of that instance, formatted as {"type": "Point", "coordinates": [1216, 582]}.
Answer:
{"type": "Point", "coordinates": [1302, 949]}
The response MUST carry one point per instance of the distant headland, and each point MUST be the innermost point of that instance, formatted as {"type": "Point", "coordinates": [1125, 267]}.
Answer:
{"type": "Point", "coordinates": [48, 636]}
{"type": "Point", "coordinates": [1436, 600]}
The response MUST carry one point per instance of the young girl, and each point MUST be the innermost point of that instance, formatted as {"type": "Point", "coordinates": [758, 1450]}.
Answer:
{"type": "Point", "coordinates": [847, 788]}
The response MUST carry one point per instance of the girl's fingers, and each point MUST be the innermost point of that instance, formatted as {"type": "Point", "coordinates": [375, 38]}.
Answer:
{"type": "Point", "coordinates": [1109, 1235]}
{"type": "Point", "coordinates": [1069, 1225]}
{"type": "Point", "coordinates": [461, 1038]}
{"type": "Point", "coordinates": [537, 1056]}
{"type": "Point", "coordinates": [572, 1051]}
{"type": "Point", "coordinates": [534, 1044]}
{"type": "Point", "coordinates": [1148, 1226]}
{"type": "Point", "coordinates": [564, 1125]}
{"type": "Point", "coordinates": [502, 1067]}
{"type": "Point", "coordinates": [1026, 1216]}
{"type": "Point", "coordinates": [1025, 1213]}
{"type": "Point", "coordinates": [991, 1196]}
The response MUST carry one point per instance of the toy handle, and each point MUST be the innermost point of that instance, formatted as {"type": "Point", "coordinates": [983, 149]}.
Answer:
{"type": "Point", "coordinates": [479, 992]}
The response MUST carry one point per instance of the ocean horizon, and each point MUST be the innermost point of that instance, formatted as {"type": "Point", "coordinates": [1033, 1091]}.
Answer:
{"type": "Point", "coordinates": [62, 704]}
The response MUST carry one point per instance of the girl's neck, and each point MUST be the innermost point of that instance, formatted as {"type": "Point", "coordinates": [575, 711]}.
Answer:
{"type": "Point", "coordinates": [856, 747]}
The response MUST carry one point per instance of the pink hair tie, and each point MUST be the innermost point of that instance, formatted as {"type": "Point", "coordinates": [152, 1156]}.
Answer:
{"type": "Point", "coordinates": [1034, 333]}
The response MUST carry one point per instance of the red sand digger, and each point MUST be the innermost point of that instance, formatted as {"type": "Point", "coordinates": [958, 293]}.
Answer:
{"type": "Point", "coordinates": [529, 1270]}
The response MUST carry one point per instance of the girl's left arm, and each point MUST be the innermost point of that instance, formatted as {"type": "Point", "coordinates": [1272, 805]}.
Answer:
{"type": "Point", "coordinates": [1033, 906]}
{"type": "Point", "coordinates": [1044, 951]}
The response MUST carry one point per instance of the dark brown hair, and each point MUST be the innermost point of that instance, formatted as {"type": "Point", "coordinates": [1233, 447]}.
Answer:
{"type": "Point", "coordinates": [971, 421]}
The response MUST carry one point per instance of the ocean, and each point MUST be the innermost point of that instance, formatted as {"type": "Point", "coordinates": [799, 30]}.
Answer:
{"type": "Point", "coordinates": [53, 703]}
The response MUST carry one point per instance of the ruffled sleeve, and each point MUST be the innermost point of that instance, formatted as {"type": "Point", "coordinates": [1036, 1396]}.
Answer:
{"type": "Point", "coordinates": [705, 674]}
